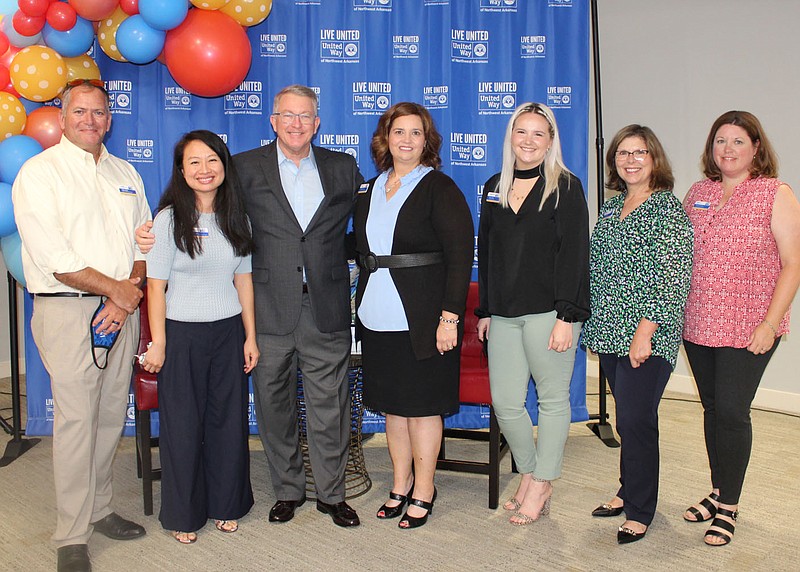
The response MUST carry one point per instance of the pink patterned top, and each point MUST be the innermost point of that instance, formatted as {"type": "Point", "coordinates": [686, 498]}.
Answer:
{"type": "Point", "coordinates": [736, 262]}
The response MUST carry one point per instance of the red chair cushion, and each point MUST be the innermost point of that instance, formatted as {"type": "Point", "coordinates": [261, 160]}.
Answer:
{"type": "Point", "coordinates": [145, 384]}
{"type": "Point", "coordinates": [474, 386]}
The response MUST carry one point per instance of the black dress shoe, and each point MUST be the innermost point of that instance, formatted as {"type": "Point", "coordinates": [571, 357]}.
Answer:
{"type": "Point", "coordinates": [283, 510]}
{"type": "Point", "coordinates": [118, 528]}
{"type": "Point", "coordinates": [608, 510]}
{"type": "Point", "coordinates": [74, 558]}
{"type": "Point", "coordinates": [625, 535]}
{"type": "Point", "coordinates": [341, 513]}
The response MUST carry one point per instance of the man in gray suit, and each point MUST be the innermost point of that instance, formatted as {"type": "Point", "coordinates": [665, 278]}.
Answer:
{"type": "Point", "coordinates": [299, 198]}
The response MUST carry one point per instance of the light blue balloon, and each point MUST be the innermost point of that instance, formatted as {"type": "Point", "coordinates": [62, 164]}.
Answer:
{"type": "Point", "coordinates": [7, 224]}
{"type": "Point", "coordinates": [17, 39]}
{"type": "Point", "coordinates": [14, 151]}
{"type": "Point", "coordinates": [163, 14]}
{"type": "Point", "coordinates": [73, 42]}
{"type": "Point", "coordinates": [8, 7]}
{"type": "Point", "coordinates": [137, 42]}
{"type": "Point", "coordinates": [12, 255]}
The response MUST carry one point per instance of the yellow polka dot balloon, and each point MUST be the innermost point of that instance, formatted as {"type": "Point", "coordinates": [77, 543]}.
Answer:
{"type": "Point", "coordinates": [81, 67]}
{"type": "Point", "coordinates": [107, 34]}
{"type": "Point", "coordinates": [12, 116]}
{"type": "Point", "coordinates": [38, 73]}
{"type": "Point", "coordinates": [209, 4]}
{"type": "Point", "coordinates": [247, 12]}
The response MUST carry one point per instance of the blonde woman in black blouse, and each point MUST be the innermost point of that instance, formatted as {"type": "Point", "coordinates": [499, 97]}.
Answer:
{"type": "Point", "coordinates": [533, 262]}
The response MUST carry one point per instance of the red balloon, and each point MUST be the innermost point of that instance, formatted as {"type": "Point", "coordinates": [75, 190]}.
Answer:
{"type": "Point", "coordinates": [33, 7]}
{"type": "Point", "coordinates": [6, 58]}
{"type": "Point", "coordinates": [4, 43]}
{"type": "Point", "coordinates": [27, 25]}
{"type": "Point", "coordinates": [10, 89]}
{"type": "Point", "coordinates": [61, 16]}
{"type": "Point", "coordinates": [5, 75]}
{"type": "Point", "coordinates": [95, 9]}
{"type": "Point", "coordinates": [42, 125]}
{"type": "Point", "coordinates": [208, 54]}
{"type": "Point", "coordinates": [130, 7]}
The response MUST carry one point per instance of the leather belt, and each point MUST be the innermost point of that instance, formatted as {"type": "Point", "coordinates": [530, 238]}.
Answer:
{"type": "Point", "coordinates": [305, 288]}
{"type": "Point", "coordinates": [67, 295]}
{"type": "Point", "coordinates": [371, 262]}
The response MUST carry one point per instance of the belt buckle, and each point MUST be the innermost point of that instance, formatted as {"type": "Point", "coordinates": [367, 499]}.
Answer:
{"type": "Point", "coordinates": [370, 262]}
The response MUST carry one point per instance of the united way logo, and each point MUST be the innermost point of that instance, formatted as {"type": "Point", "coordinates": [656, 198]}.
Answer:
{"type": "Point", "coordinates": [120, 96]}
{"type": "Point", "coordinates": [272, 45]}
{"type": "Point", "coordinates": [372, 5]}
{"type": "Point", "coordinates": [177, 98]}
{"type": "Point", "coordinates": [498, 5]}
{"type": "Point", "coordinates": [559, 3]}
{"type": "Point", "coordinates": [405, 47]}
{"type": "Point", "coordinates": [468, 149]}
{"type": "Point", "coordinates": [342, 142]}
{"type": "Point", "coordinates": [339, 46]}
{"type": "Point", "coordinates": [469, 46]}
{"type": "Point", "coordinates": [371, 97]}
{"type": "Point", "coordinates": [559, 96]}
{"type": "Point", "coordinates": [436, 96]}
{"type": "Point", "coordinates": [436, 2]}
{"type": "Point", "coordinates": [532, 47]}
{"type": "Point", "coordinates": [497, 97]}
{"type": "Point", "coordinates": [140, 150]}
{"type": "Point", "coordinates": [245, 99]}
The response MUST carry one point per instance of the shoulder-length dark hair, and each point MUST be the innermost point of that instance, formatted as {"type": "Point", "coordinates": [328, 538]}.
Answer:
{"type": "Point", "coordinates": [765, 162]}
{"type": "Point", "coordinates": [228, 205]}
{"type": "Point", "coordinates": [380, 139]}
{"type": "Point", "coordinates": [661, 179]}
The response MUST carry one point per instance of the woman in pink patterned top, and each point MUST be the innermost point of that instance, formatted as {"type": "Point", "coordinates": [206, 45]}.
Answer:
{"type": "Point", "coordinates": [746, 272]}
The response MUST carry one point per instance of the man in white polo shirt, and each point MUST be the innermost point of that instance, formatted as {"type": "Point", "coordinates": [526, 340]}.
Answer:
{"type": "Point", "coordinates": [76, 207]}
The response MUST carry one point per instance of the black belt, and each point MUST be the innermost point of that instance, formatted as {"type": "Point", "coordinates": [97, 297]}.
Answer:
{"type": "Point", "coordinates": [305, 288]}
{"type": "Point", "coordinates": [67, 295]}
{"type": "Point", "coordinates": [371, 262]}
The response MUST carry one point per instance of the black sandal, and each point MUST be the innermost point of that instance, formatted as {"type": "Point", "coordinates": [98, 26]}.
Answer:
{"type": "Point", "coordinates": [706, 504]}
{"type": "Point", "coordinates": [416, 521]}
{"type": "Point", "coordinates": [727, 527]}
{"type": "Point", "coordinates": [393, 511]}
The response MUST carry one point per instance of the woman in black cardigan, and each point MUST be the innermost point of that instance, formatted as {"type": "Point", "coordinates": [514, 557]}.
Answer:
{"type": "Point", "coordinates": [414, 238]}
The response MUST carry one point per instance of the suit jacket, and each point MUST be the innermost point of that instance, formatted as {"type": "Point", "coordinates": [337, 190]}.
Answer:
{"type": "Point", "coordinates": [283, 249]}
{"type": "Point", "coordinates": [434, 218]}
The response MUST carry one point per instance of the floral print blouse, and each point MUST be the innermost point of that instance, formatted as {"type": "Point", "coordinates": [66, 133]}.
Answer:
{"type": "Point", "coordinates": [639, 267]}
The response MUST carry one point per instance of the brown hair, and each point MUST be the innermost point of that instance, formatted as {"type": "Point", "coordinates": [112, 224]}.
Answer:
{"type": "Point", "coordinates": [380, 139]}
{"type": "Point", "coordinates": [661, 178]}
{"type": "Point", "coordinates": [765, 161]}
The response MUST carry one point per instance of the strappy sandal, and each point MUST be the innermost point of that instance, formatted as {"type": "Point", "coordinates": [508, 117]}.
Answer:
{"type": "Point", "coordinates": [393, 511]}
{"type": "Point", "coordinates": [514, 505]}
{"type": "Point", "coordinates": [184, 537]}
{"type": "Point", "coordinates": [226, 526]}
{"type": "Point", "coordinates": [706, 504]}
{"type": "Point", "coordinates": [727, 527]}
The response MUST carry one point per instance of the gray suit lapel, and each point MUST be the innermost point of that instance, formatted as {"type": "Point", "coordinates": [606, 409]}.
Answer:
{"type": "Point", "coordinates": [272, 174]}
{"type": "Point", "coordinates": [326, 178]}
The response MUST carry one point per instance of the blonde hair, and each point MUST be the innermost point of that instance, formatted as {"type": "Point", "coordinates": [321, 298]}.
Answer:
{"type": "Point", "coordinates": [553, 164]}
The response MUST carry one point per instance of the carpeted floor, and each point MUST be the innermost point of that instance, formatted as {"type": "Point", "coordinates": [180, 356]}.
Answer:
{"type": "Point", "coordinates": [462, 534]}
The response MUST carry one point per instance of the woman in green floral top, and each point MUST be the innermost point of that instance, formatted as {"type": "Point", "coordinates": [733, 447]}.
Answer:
{"type": "Point", "coordinates": [640, 264]}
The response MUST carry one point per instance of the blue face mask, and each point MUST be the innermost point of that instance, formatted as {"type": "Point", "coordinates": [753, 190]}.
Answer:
{"type": "Point", "coordinates": [104, 341]}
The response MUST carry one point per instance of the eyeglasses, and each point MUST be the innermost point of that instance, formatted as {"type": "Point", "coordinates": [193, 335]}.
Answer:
{"type": "Point", "coordinates": [98, 83]}
{"type": "Point", "coordinates": [638, 155]}
{"type": "Point", "coordinates": [287, 118]}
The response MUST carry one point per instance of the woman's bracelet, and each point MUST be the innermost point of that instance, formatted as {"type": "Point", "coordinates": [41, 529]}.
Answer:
{"type": "Point", "coordinates": [448, 320]}
{"type": "Point", "coordinates": [771, 327]}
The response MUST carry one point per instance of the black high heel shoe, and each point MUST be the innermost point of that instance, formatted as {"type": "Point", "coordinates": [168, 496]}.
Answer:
{"type": "Point", "coordinates": [417, 521]}
{"type": "Point", "coordinates": [393, 511]}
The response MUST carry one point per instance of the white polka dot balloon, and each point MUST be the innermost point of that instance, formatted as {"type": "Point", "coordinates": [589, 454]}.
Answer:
{"type": "Point", "coordinates": [12, 116]}
{"type": "Point", "coordinates": [38, 73]}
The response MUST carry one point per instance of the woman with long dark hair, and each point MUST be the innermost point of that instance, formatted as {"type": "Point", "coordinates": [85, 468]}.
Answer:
{"type": "Point", "coordinates": [203, 339]}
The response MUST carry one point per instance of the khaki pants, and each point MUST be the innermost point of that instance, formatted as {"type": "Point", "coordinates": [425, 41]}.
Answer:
{"type": "Point", "coordinates": [89, 409]}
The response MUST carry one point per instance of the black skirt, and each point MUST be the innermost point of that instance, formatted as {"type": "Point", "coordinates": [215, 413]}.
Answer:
{"type": "Point", "coordinates": [396, 382]}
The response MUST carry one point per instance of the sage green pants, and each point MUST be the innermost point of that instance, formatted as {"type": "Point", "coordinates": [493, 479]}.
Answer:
{"type": "Point", "coordinates": [518, 350]}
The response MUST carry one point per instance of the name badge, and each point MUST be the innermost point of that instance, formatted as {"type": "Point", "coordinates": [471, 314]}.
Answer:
{"type": "Point", "coordinates": [702, 205]}
{"type": "Point", "coordinates": [607, 214]}
{"type": "Point", "coordinates": [363, 188]}
{"type": "Point", "coordinates": [200, 231]}
{"type": "Point", "coordinates": [493, 198]}
{"type": "Point", "coordinates": [127, 190]}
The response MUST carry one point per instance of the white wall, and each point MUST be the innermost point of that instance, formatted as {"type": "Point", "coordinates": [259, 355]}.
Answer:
{"type": "Point", "coordinates": [676, 66]}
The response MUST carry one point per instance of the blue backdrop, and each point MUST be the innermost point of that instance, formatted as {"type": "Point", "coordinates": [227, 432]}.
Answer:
{"type": "Point", "coordinates": [470, 62]}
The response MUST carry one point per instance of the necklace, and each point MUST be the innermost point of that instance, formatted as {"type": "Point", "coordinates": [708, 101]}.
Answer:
{"type": "Point", "coordinates": [524, 176]}
{"type": "Point", "coordinates": [392, 186]}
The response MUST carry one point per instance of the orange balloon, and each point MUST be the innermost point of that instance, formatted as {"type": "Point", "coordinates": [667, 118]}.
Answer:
{"type": "Point", "coordinates": [247, 12]}
{"type": "Point", "coordinates": [94, 9]}
{"type": "Point", "coordinates": [12, 116]}
{"type": "Point", "coordinates": [107, 34]}
{"type": "Point", "coordinates": [43, 125]}
{"type": "Point", "coordinates": [81, 67]}
{"type": "Point", "coordinates": [209, 4]}
{"type": "Point", "coordinates": [38, 73]}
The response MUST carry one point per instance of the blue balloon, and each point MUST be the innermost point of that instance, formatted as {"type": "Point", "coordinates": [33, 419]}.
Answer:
{"type": "Point", "coordinates": [137, 42]}
{"type": "Point", "coordinates": [163, 14]}
{"type": "Point", "coordinates": [8, 7]}
{"type": "Point", "coordinates": [17, 39]}
{"type": "Point", "coordinates": [7, 224]}
{"type": "Point", "coordinates": [12, 255]}
{"type": "Point", "coordinates": [14, 151]}
{"type": "Point", "coordinates": [73, 42]}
